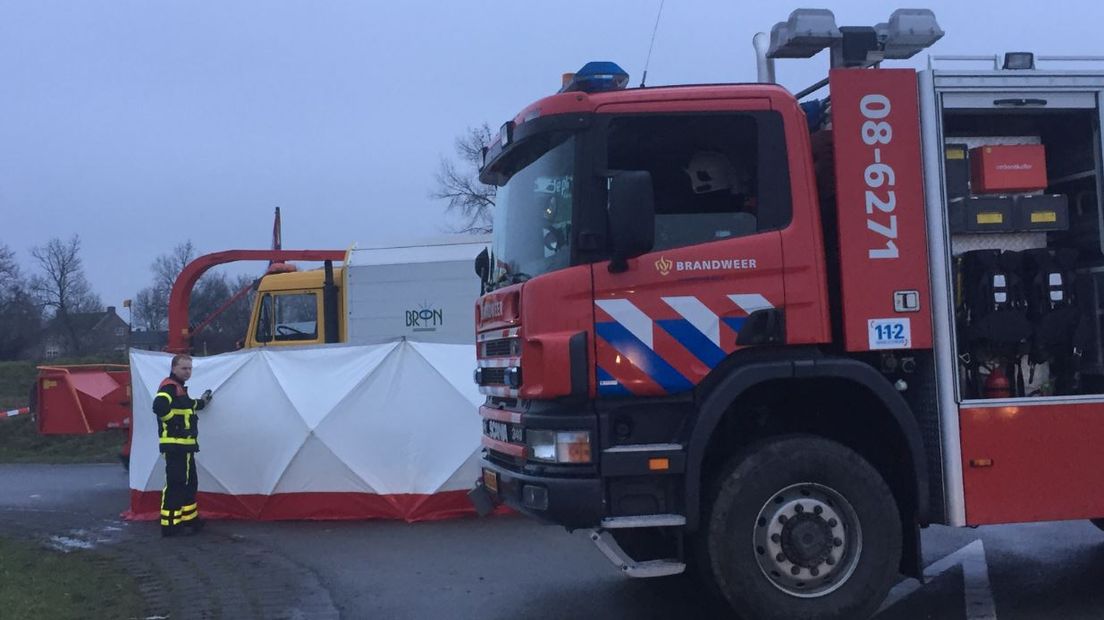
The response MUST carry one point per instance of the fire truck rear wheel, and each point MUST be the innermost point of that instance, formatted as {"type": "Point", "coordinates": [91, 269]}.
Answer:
{"type": "Point", "coordinates": [802, 527]}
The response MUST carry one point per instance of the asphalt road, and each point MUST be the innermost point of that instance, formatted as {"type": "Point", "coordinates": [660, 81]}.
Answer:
{"type": "Point", "coordinates": [506, 567]}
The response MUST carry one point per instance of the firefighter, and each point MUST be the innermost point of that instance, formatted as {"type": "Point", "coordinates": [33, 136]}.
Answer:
{"type": "Point", "coordinates": [178, 432]}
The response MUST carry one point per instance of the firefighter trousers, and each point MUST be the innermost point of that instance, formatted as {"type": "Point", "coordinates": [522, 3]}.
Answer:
{"type": "Point", "coordinates": [178, 499]}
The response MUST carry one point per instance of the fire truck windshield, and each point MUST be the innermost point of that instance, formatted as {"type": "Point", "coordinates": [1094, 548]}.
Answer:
{"type": "Point", "coordinates": [532, 216]}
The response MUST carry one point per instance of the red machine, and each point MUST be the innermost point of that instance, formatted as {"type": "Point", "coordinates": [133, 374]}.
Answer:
{"type": "Point", "coordinates": [75, 400]}
{"type": "Point", "coordinates": [83, 399]}
{"type": "Point", "coordinates": [770, 339]}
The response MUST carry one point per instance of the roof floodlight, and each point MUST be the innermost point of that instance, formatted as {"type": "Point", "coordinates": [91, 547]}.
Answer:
{"type": "Point", "coordinates": [907, 32]}
{"type": "Point", "coordinates": [805, 33]}
{"type": "Point", "coordinates": [1019, 60]}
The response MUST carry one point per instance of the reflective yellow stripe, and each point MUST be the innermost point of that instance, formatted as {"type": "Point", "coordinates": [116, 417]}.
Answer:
{"type": "Point", "coordinates": [189, 517]}
{"type": "Point", "coordinates": [184, 412]}
{"type": "Point", "coordinates": [189, 507]}
{"type": "Point", "coordinates": [166, 513]}
{"type": "Point", "coordinates": [184, 441]}
{"type": "Point", "coordinates": [165, 394]}
{"type": "Point", "coordinates": [187, 468]}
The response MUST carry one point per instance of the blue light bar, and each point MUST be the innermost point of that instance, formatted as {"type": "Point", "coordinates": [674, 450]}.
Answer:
{"type": "Point", "coordinates": [596, 77]}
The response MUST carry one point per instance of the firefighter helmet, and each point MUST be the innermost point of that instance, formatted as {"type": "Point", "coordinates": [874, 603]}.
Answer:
{"type": "Point", "coordinates": [711, 171]}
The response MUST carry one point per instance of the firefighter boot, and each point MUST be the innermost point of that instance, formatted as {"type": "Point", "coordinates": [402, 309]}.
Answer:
{"type": "Point", "coordinates": [195, 525]}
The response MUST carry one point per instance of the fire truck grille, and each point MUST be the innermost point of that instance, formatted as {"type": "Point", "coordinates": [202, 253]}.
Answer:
{"type": "Point", "coordinates": [493, 376]}
{"type": "Point", "coordinates": [501, 348]}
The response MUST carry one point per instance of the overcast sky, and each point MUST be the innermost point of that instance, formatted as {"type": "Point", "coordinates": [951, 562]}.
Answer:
{"type": "Point", "coordinates": [139, 124]}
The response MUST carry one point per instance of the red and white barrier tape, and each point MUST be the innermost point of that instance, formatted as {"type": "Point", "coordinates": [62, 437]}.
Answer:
{"type": "Point", "coordinates": [11, 413]}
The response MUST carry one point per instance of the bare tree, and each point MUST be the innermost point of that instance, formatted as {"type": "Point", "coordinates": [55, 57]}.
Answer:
{"type": "Point", "coordinates": [151, 304]}
{"type": "Point", "coordinates": [168, 266]}
{"type": "Point", "coordinates": [458, 182]}
{"type": "Point", "coordinates": [20, 316]}
{"type": "Point", "coordinates": [212, 292]}
{"type": "Point", "coordinates": [238, 315]}
{"type": "Point", "coordinates": [62, 286]}
{"type": "Point", "coordinates": [9, 269]}
{"type": "Point", "coordinates": [149, 309]}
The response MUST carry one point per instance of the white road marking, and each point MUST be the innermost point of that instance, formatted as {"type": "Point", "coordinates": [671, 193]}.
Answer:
{"type": "Point", "coordinates": [975, 577]}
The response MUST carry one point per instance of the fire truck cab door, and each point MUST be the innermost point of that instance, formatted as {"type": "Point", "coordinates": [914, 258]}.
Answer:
{"type": "Point", "coordinates": [664, 323]}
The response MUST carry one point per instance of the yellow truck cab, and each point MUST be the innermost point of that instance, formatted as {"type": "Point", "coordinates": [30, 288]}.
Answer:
{"type": "Point", "coordinates": [290, 309]}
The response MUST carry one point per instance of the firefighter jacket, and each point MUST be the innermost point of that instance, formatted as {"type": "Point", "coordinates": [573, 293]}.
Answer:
{"type": "Point", "coordinates": [177, 422]}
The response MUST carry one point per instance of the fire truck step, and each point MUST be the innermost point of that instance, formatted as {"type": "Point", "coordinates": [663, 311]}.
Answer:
{"type": "Point", "coordinates": [631, 568]}
{"type": "Point", "coordinates": [611, 523]}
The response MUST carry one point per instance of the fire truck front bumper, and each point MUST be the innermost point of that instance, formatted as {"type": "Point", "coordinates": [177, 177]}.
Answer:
{"type": "Point", "coordinates": [575, 503]}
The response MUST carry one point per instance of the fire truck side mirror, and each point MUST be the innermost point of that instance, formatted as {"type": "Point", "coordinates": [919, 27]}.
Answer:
{"type": "Point", "coordinates": [483, 264]}
{"type": "Point", "coordinates": [483, 269]}
{"type": "Point", "coordinates": [631, 216]}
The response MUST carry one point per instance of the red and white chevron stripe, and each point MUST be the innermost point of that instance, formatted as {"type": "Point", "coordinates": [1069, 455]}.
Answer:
{"type": "Point", "coordinates": [11, 413]}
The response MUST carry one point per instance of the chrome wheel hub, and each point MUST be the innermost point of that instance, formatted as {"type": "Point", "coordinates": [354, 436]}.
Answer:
{"type": "Point", "coordinates": [807, 540]}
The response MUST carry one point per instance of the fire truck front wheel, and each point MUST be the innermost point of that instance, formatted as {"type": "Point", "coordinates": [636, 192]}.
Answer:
{"type": "Point", "coordinates": [802, 527]}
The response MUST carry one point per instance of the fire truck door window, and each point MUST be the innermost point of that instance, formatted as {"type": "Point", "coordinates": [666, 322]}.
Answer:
{"type": "Point", "coordinates": [296, 317]}
{"type": "Point", "coordinates": [704, 172]}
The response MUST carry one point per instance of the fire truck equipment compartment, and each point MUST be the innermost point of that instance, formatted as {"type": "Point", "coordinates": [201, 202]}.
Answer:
{"type": "Point", "coordinates": [1008, 168]}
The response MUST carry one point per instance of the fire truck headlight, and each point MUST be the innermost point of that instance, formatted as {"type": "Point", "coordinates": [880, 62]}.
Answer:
{"type": "Point", "coordinates": [542, 445]}
{"type": "Point", "coordinates": [559, 446]}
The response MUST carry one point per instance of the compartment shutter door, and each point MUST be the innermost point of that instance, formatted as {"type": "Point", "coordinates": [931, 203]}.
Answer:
{"type": "Point", "coordinates": [1019, 100]}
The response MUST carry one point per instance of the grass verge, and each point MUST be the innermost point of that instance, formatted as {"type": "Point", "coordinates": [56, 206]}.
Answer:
{"type": "Point", "coordinates": [16, 379]}
{"type": "Point", "coordinates": [41, 583]}
{"type": "Point", "coordinates": [21, 443]}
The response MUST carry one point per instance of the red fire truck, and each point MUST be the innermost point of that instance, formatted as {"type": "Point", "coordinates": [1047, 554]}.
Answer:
{"type": "Point", "coordinates": [767, 337]}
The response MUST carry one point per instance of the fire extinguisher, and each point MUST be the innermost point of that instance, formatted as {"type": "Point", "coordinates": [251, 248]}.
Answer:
{"type": "Point", "coordinates": [998, 385]}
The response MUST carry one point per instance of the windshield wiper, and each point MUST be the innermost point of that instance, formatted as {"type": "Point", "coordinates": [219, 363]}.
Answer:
{"type": "Point", "coordinates": [507, 279]}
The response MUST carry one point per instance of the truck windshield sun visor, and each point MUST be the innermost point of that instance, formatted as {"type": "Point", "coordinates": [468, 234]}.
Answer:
{"type": "Point", "coordinates": [528, 140]}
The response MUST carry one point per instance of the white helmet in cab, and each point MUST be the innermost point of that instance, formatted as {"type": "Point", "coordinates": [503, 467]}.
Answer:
{"type": "Point", "coordinates": [711, 171]}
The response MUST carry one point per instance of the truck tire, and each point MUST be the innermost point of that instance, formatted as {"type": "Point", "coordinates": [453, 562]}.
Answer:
{"type": "Point", "coordinates": [801, 527]}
